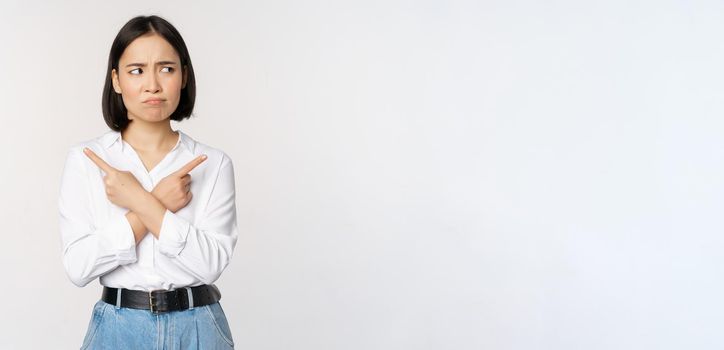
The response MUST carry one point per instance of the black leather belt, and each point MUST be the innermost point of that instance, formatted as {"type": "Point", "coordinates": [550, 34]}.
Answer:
{"type": "Point", "coordinates": [163, 300]}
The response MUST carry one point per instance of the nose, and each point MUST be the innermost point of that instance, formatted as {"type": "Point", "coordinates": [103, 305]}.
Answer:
{"type": "Point", "coordinates": [152, 84]}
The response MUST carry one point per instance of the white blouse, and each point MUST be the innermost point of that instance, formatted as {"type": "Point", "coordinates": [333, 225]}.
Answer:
{"type": "Point", "coordinates": [195, 243]}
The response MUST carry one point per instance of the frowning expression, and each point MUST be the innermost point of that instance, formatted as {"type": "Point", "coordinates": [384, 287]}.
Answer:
{"type": "Point", "coordinates": [149, 78]}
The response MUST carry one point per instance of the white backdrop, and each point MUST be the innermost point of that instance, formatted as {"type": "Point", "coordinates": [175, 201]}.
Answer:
{"type": "Point", "coordinates": [410, 175]}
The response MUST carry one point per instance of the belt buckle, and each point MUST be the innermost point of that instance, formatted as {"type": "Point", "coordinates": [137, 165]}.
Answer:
{"type": "Point", "coordinates": [152, 301]}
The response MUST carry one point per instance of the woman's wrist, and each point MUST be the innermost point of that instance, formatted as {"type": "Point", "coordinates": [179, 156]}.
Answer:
{"type": "Point", "coordinates": [150, 212]}
{"type": "Point", "coordinates": [139, 229]}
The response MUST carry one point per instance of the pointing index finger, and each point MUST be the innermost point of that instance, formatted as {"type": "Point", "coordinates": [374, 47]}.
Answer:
{"type": "Point", "coordinates": [190, 165]}
{"type": "Point", "coordinates": [98, 161]}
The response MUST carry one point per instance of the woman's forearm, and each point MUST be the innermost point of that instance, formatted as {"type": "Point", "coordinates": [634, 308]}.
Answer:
{"type": "Point", "coordinates": [139, 229]}
{"type": "Point", "coordinates": [149, 211]}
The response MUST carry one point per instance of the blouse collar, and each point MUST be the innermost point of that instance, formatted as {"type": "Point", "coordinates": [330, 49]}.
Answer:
{"type": "Point", "coordinates": [113, 137]}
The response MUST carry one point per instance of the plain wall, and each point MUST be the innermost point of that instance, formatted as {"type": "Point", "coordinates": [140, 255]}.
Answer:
{"type": "Point", "coordinates": [410, 175]}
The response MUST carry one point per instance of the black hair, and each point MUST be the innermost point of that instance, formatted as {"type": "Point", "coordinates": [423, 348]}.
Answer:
{"type": "Point", "coordinates": [114, 111]}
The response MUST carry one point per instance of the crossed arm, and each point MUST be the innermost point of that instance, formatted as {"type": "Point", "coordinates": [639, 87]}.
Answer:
{"type": "Point", "coordinates": [146, 209]}
{"type": "Point", "coordinates": [139, 228]}
{"type": "Point", "coordinates": [201, 249]}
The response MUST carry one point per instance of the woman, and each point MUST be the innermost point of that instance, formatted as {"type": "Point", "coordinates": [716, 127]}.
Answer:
{"type": "Point", "coordinates": [147, 209]}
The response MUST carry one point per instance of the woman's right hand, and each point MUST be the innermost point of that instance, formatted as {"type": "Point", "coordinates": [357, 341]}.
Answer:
{"type": "Point", "coordinates": [173, 191]}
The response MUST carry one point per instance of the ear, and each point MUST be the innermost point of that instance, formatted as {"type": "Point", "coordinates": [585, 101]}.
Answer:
{"type": "Point", "coordinates": [116, 84]}
{"type": "Point", "coordinates": [185, 77]}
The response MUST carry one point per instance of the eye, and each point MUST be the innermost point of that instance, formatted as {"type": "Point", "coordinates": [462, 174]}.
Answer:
{"type": "Point", "coordinates": [137, 69]}
{"type": "Point", "coordinates": [170, 69]}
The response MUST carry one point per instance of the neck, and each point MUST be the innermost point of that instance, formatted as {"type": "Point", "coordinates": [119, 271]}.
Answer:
{"type": "Point", "coordinates": [150, 137]}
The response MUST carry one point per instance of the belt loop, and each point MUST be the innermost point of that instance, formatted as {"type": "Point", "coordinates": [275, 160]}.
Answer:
{"type": "Point", "coordinates": [118, 298]}
{"type": "Point", "coordinates": [191, 298]}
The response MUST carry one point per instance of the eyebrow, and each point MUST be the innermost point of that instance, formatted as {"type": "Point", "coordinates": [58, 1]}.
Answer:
{"type": "Point", "coordinates": [159, 63]}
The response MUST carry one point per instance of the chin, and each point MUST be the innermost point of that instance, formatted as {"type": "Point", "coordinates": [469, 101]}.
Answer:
{"type": "Point", "coordinates": [155, 118]}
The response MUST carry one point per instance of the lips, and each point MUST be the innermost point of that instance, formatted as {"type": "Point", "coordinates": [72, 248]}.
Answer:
{"type": "Point", "coordinates": [154, 101]}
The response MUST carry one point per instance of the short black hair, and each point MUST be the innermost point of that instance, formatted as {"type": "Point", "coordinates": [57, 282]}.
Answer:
{"type": "Point", "coordinates": [114, 111]}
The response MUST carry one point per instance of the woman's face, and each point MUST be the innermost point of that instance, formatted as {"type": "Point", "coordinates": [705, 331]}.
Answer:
{"type": "Point", "coordinates": [149, 78]}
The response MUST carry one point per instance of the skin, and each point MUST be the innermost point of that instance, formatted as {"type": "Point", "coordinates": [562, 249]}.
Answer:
{"type": "Point", "coordinates": [148, 68]}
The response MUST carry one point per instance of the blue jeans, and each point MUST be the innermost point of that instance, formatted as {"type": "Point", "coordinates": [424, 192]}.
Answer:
{"type": "Point", "coordinates": [201, 328]}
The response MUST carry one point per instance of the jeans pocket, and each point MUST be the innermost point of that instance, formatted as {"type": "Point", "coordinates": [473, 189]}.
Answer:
{"type": "Point", "coordinates": [216, 312]}
{"type": "Point", "coordinates": [95, 321]}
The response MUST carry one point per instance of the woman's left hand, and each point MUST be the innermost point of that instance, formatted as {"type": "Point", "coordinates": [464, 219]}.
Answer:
{"type": "Point", "coordinates": [122, 188]}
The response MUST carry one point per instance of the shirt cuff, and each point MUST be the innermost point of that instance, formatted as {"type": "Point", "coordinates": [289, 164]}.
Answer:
{"type": "Point", "coordinates": [119, 237]}
{"type": "Point", "coordinates": [172, 235]}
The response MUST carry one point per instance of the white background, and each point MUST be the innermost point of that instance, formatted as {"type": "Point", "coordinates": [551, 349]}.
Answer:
{"type": "Point", "coordinates": [410, 175]}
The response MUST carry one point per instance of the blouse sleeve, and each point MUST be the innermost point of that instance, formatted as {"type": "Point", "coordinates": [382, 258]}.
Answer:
{"type": "Point", "coordinates": [205, 249]}
{"type": "Point", "coordinates": [89, 251]}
